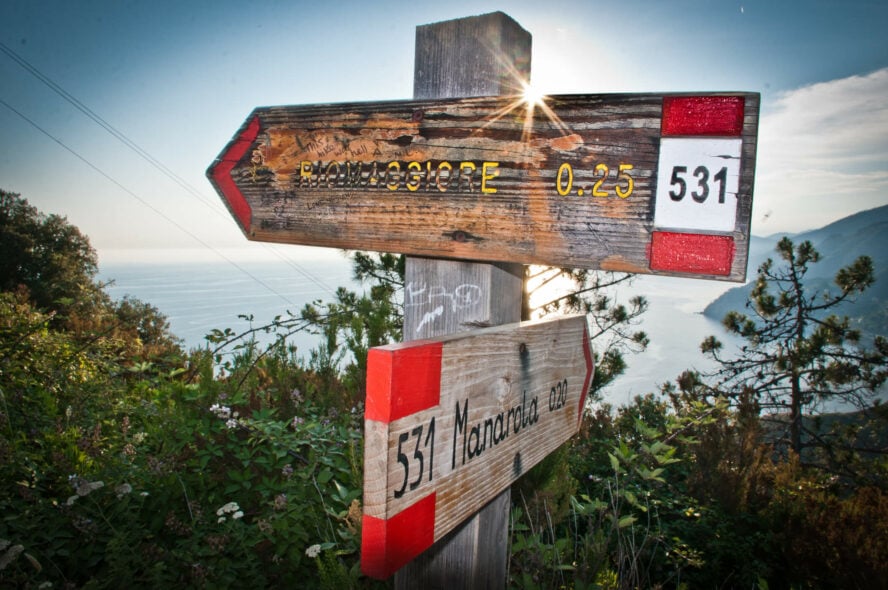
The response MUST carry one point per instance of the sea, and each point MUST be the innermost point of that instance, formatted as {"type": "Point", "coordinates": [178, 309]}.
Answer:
{"type": "Point", "coordinates": [202, 291]}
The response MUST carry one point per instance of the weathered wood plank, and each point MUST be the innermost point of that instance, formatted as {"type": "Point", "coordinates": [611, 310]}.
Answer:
{"type": "Point", "coordinates": [452, 422]}
{"type": "Point", "coordinates": [570, 184]}
{"type": "Point", "coordinates": [476, 553]}
{"type": "Point", "coordinates": [447, 296]}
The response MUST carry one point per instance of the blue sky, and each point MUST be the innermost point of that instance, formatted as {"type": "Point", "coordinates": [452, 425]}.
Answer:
{"type": "Point", "coordinates": [178, 78]}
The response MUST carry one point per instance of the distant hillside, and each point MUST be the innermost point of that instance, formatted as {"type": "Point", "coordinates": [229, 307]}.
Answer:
{"type": "Point", "coordinates": [839, 244]}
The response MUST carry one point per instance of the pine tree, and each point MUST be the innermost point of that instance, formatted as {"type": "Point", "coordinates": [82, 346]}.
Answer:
{"type": "Point", "coordinates": [798, 353]}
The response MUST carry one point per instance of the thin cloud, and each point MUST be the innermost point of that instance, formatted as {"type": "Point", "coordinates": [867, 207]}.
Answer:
{"type": "Point", "coordinates": [823, 154]}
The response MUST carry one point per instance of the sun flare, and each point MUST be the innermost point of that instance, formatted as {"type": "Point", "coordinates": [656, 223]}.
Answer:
{"type": "Point", "coordinates": [532, 96]}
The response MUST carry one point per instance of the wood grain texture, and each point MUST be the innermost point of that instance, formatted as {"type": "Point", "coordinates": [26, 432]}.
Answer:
{"type": "Point", "coordinates": [446, 296]}
{"type": "Point", "coordinates": [508, 397]}
{"type": "Point", "coordinates": [475, 56]}
{"type": "Point", "coordinates": [472, 178]}
{"type": "Point", "coordinates": [476, 553]}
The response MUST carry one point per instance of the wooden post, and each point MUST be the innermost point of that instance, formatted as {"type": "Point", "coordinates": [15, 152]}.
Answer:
{"type": "Point", "coordinates": [475, 56]}
{"type": "Point", "coordinates": [609, 195]}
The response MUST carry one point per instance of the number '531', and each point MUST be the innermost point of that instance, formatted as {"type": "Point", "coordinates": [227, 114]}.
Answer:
{"type": "Point", "coordinates": [418, 456]}
{"type": "Point", "coordinates": [699, 181]}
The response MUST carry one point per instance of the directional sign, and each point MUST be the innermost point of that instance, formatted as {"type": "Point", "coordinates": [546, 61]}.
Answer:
{"type": "Point", "coordinates": [638, 183]}
{"type": "Point", "coordinates": [450, 423]}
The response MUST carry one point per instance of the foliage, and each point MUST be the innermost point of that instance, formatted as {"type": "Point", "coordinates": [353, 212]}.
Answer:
{"type": "Point", "coordinates": [840, 243]}
{"type": "Point", "coordinates": [797, 356]}
{"type": "Point", "coordinates": [686, 490]}
{"type": "Point", "coordinates": [627, 523]}
{"type": "Point", "coordinates": [126, 462]}
{"type": "Point", "coordinates": [145, 479]}
{"type": "Point", "coordinates": [359, 321]}
{"type": "Point", "coordinates": [46, 257]}
{"type": "Point", "coordinates": [826, 539]}
{"type": "Point", "coordinates": [684, 494]}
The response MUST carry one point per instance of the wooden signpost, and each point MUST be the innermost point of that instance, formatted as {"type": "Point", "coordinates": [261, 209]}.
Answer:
{"type": "Point", "coordinates": [452, 422]}
{"type": "Point", "coordinates": [467, 171]}
{"type": "Point", "coordinates": [656, 184]}
{"type": "Point", "coordinates": [476, 553]}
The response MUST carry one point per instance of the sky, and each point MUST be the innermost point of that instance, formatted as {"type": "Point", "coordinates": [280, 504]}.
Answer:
{"type": "Point", "coordinates": [168, 83]}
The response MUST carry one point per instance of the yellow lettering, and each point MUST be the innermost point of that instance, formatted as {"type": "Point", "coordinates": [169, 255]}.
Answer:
{"type": "Point", "coordinates": [489, 171]}
{"type": "Point", "coordinates": [603, 170]}
{"type": "Point", "coordinates": [304, 173]}
{"type": "Point", "coordinates": [373, 178]}
{"type": "Point", "coordinates": [414, 175]}
{"type": "Point", "coordinates": [352, 174]}
{"type": "Point", "coordinates": [561, 186]}
{"type": "Point", "coordinates": [624, 193]}
{"type": "Point", "coordinates": [444, 166]}
{"type": "Point", "coordinates": [393, 184]}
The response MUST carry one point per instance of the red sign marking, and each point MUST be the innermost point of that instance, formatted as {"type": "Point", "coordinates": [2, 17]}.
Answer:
{"type": "Point", "coordinates": [408, 374]}
{"type": "Point", "coordinates": [388, 545]}
{"type": "Point", "coordinates": [703, 115]}
{"type": "Point", "coordinates": [452, 422]}
{"type": "Point", "coordinates": [692, 253]}
{"type": "Point", "coordinates": [220, 171]}
{"type": "Point", "coordinates": [691, 118]}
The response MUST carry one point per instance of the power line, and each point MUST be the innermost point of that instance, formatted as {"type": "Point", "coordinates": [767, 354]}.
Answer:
{"type": "Point", "coordinates": [143, 201]}
{"type": "Point", "coordinates": [142, 153]}
{"type": "Point", "coordinates": [120, 136]}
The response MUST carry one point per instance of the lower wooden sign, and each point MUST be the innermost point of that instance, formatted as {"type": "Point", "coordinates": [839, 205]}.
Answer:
{"type": "Point", "coordinates": [450, 423]}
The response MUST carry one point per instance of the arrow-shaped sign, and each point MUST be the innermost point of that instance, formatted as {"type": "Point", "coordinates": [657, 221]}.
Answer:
{"type": "Point", "coordinates": [629, 182]}
{"type": "Point", "coordinates": [452, 422]}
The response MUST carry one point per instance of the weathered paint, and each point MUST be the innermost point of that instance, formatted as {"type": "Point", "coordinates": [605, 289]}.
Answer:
{"type": "Point", "coordinates": [576, 183]}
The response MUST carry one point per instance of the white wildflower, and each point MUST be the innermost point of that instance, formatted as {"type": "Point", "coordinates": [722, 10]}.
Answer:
{"type": "Point", "coordinates": [71, 500]}
{"type": "Point", "coordinates": [231, 423]}
{"type": "Point", "coordinates": [222, 412]}
{"type": "Point", "coordinates": [122, 490]}
{"type": "Point", "coordinates": [228, 509]}
{"type": "Point", "coordinates": [140, 437]}
{"type": "Point", "coordinates": [313, 551]}
{"type": "Point", "coordinates": [238, 514]}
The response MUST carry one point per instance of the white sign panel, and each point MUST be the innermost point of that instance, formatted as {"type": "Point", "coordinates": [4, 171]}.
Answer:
{"type": "Point", "coordinates": [697, 184]}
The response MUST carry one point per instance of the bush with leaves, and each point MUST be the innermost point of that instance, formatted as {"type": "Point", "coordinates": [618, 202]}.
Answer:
{"type": "Point", "coordinates": [182, 478]}
{"type": "Point", "coordinates": [47, 258]}
{"type": "Point", "coordinates": [627, 524]}
{"type": "Point", "coordinates": [798, 356]}
{"type": "Point", "coordinates": [125, 462]}
{"type": "Point", "coordinates": [825, 539]}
